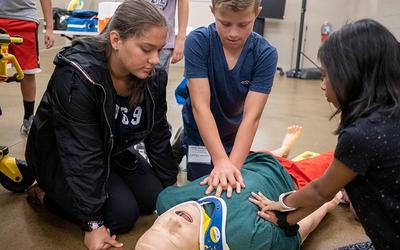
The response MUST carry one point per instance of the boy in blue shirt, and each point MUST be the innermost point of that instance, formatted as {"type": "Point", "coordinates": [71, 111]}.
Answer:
{"type": "Point", "coordinates": [230, 71]}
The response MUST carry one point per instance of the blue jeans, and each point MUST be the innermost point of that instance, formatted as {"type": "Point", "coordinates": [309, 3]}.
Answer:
{"type": "Point", "coordinates": [165, 58]}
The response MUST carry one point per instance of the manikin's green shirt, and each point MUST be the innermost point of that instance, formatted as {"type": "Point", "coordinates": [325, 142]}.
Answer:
{"type": "Point", "coordinates": [244, 228]}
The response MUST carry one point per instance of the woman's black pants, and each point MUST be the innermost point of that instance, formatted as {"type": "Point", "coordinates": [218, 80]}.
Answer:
{"type": "Point", "coordinates": [131, 191]}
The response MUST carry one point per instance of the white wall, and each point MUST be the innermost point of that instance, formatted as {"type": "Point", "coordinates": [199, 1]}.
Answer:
{"type": "Point", "coordinates": [283, 34]}
{"type": "Point", "coordinates": [199, 13]}
{"type": "Point", "coordinates": [387, 12]}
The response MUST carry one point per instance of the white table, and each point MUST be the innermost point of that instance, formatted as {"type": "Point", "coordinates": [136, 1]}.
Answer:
{"type": "Point", "coordinates": [71, 34]}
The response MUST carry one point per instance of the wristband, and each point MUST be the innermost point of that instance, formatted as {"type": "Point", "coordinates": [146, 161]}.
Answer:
{"type": "Point", "coordinates": [92, 225]}
{"type": "Point", "coordinates": [290, 230]}
{"type": "Point", "coordinates": [282, 204]}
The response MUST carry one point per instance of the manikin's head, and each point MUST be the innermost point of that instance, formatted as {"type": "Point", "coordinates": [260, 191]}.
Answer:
{"type": "Point", "coordinates": [178, 228]}
{"type": "Point", "coordinates": [234, 20]}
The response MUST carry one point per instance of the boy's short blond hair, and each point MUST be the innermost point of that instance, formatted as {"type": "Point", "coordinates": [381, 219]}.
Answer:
{"type": "Point", "coordinates": [236, 5]}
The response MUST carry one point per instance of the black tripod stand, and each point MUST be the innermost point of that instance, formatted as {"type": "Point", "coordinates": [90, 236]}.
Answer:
{"type": "Point", "coordinates": [309, 73]}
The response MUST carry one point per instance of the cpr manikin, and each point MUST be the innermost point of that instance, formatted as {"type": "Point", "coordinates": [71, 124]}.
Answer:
{"type": "Point", "coordinates": [184, 221]}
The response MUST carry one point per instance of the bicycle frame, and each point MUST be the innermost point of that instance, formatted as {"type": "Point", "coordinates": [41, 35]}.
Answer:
{"type": "Point", "coordinates": [8, 166]}
{"type": "Point", "coordinates": [5, 57]}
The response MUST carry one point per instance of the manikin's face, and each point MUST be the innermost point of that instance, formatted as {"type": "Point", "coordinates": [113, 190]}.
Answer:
{"type": "Point", "coordinates": [176, 229]}
{"type": "Point", "coordinates": [326, 86]}
{"type": "Point", "coordinates": [234, 27]}
{"type": "Point", "coordinates": [139, 55]}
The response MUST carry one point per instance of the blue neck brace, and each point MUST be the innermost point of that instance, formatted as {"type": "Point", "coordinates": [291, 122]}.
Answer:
{"type": "Point", "coordinates": [214, 233]}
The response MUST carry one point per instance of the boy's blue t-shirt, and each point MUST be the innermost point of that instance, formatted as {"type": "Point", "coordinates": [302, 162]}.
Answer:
{"type": "Point", "coordinates": [254, 71]}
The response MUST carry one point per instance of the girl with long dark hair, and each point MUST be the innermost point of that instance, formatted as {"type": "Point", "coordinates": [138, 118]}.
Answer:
{"type": "Point", "coordinates": [361, 70]}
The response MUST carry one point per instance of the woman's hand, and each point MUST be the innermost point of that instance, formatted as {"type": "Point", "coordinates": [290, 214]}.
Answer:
{"type": "Point", "coordinates": [265, 205]}
{"type": "Point", "coordinates": [100, 239]}
{"type": "Point", "coordinates": [224, 177]}
{"type": "Point", "coordinates": [260, 200]}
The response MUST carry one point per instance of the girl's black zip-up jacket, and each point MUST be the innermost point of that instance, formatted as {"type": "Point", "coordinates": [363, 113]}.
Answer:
{"type": "Point", "coordinates": [71, 145]}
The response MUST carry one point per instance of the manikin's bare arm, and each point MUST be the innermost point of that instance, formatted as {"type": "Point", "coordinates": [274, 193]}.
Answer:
{"type": "Point", "coordinates": [313, 195]}
{"type": "Point", "coordinates": [310, 223]}
{"type": "Point", "coordinates": [323, 189]}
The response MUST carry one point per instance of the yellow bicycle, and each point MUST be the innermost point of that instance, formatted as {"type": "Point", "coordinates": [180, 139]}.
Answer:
{"type": "Point", "coordinates": [15, 175]}
{"type": "Point", "coordinates": [5, 57]}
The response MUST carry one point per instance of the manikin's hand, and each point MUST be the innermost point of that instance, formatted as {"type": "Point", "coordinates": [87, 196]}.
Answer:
{"type": "Point", "coordinates": [177, 53]}
{"type": "Point", "coordinates": [224, 177]}
{"type": "Point", "coordinates": [49, 38]}
{"type": "Point", "coordinates": [101, 239]}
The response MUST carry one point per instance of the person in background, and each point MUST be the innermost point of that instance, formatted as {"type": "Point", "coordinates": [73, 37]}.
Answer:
{"type": "Point", "coordinates": [104, 97]}
{"type": "Point", "coordinates": [173, 50]}
{"type": "Point", "coordinates": [20, 17]}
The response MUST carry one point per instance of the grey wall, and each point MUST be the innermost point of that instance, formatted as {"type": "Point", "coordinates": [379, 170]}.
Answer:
{"type": "Point", "coordinates": [283, 34]}
{"type": "Point", "coordinates": [386, 12]}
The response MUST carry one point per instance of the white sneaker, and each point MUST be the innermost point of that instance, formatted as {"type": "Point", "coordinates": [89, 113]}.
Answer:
{"type": "Point", "coordinates": [140, 147]}
{"type": "Point", "coordinates": [26, 126]}
{"type": "Point", "coordinates": [177, 145]}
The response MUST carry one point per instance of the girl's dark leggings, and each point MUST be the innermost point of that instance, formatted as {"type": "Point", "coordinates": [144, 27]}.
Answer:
{"type": "Point", "coordinates": [131, 191]}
